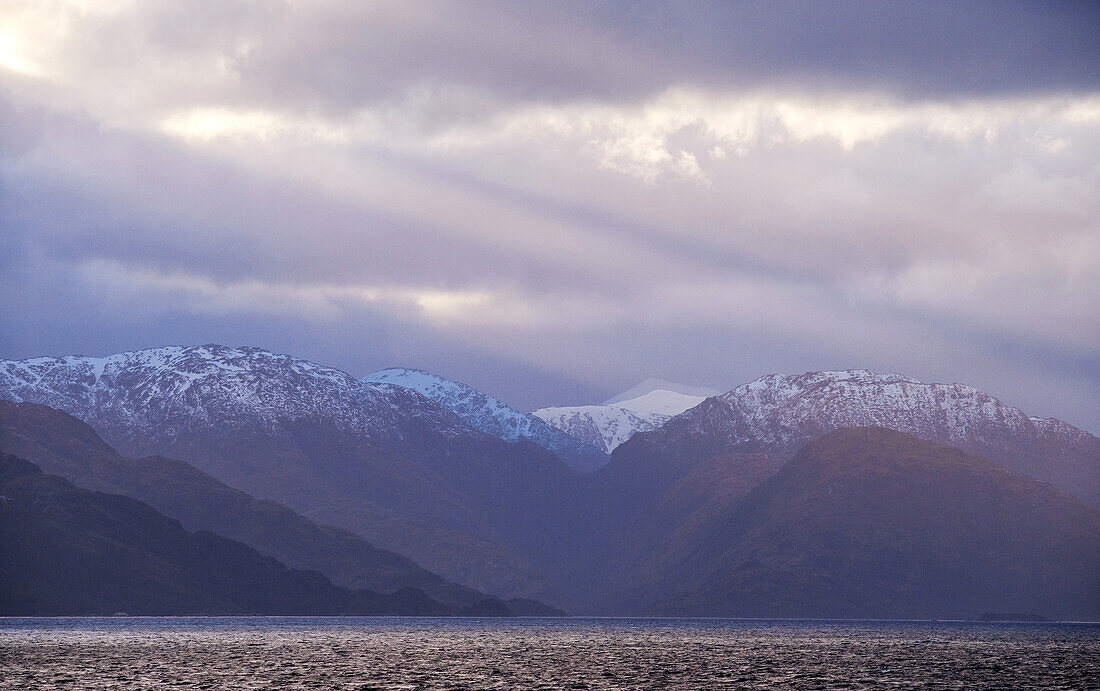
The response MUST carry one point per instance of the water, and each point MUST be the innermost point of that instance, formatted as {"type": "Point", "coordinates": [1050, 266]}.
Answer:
{"type": "Point", "coordinates": [401, 653]}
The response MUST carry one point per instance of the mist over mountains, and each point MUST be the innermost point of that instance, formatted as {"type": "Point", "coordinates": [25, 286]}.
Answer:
{"type": "Point", "coordinates": [841, 493]}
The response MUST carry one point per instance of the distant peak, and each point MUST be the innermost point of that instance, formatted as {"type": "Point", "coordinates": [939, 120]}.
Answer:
{"type": "Point", "coordinates": [654, 384]}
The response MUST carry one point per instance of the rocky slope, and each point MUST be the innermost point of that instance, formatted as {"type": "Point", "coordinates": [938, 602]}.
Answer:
{"type": "Point", "coordinates": [663, 487]}
{"type": "Point", "coordinates": [166, 393]}
{"type": "Point", "coordinates": [487, 414]}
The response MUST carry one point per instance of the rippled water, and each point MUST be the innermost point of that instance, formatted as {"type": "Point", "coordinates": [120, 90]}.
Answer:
{"type": "Point", "coordinates": [397, 653]}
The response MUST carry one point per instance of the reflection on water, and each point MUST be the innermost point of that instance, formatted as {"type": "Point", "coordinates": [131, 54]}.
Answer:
{"type": "Point", "coordinates": [399, 653]}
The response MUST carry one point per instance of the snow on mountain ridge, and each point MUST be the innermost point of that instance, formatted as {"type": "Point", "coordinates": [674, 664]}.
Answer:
{"type": "Point", "coordinates": [776, 409]}
{"type": "Point", "coordinates": [642, 408]}
{"type": "Point", "coordinates": [778, 414]}
{"type": "Point", "coordinates": [605, 426]}
{"type": "Point", "coordinates": [157, 390]}
{"type": "Point", "coordinates": [492, 416]}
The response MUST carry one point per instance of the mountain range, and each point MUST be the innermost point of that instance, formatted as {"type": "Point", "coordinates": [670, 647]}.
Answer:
{"type": "Point", "coordinates": [379, 460]}
{"type": "Point", "coordinates": [717, 508]}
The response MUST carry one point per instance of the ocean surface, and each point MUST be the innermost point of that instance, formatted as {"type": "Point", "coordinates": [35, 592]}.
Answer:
{"type": "Point", "coordinates": [572, 653]}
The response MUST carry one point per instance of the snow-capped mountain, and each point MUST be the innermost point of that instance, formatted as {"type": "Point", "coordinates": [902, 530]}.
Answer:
{"type": "Point", "coordinates": [654, 384]}
{"type": "Point", "coordinates": [777, 414]}
{"type": "Point", "coordinates": [783, 412]}
{"type": "Point", "coordinates": [605, 426]}
{"type": "Point", "coordinates": [659, 402]}
{"type": "Point", "coordinates": [490, 415]}
{"type": "Point", "coordinates": [381, 460]}
{"type": "Point", "coordinates": [642, 408]}
{"type": "Point", "coordinates": [161, 392]}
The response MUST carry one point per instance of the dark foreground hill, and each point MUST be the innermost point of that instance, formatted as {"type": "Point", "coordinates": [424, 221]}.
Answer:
{"type": "Point", "coordinates": [65, 550]}
{"type": "Point", "coordinates": [869, 522]}
{"type": "Point", "coordinates": [65, 446]}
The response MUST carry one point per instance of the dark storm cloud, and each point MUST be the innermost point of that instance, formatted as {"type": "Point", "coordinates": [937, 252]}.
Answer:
{"type": "Point", "coordinates": [358, 54]}
{"type": "Point", "coordinates": [340, 56]}
{"type": "Point", "coordinates": [915, 48]}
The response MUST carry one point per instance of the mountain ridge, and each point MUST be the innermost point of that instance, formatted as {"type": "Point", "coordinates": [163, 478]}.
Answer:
{"type": "Point", "coordinates": [657, 384]}
{"type": "Point", "coordinates": [492, 416]}
{"type": "Point", "coordinates": [510, 517]}
{"type": "Point", "coordinates": [777, 414]}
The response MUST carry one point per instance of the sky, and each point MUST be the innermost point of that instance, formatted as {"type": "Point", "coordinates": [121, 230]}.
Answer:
{"type": "Point", "coordinates": [554, 201]}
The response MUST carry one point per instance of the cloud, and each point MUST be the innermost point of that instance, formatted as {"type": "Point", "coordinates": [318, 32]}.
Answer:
{"type": "Point", "coordinates": [330, 56]}
{"type": "Point", "coordinates": [147, 290]}
{"type": "Point", "coordinates": [588, 194]}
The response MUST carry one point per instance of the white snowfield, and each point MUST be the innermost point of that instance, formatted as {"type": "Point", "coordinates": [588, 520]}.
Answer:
{"type": "Point", "coordinates": [653, 384]}
{"type": "Point", "coordinates": [660, 402]}
{"type": "Point", "coordinates": [640, 409]}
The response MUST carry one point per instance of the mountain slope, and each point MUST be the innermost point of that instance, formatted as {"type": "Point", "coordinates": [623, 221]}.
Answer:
{"type": "Point", "coordinates": [64, 446]}
{"type": "Point", "coordinates": [643, 408]}
{"type": "Point", "coordinates": [603, 426]}
{"type": "Point", "coordinates": [869, 522]}
{"type": "Point", "coordinates": [777, 414]}
{"type": "Point", "coordinates": [72, 551]}
{"type": "Point", "coordinates": [487, 414]}
{"type": "Point", "coordinates": [379, 460]}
